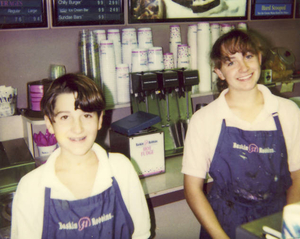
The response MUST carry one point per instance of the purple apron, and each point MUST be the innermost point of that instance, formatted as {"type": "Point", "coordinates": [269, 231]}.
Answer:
{"type": "Point", "coordinates": [251, 176]}
{"type": "Point", "coordinates": [102, 216]}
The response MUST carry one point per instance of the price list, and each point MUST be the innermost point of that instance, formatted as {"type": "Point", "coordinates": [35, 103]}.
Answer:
{"type": "Point", "coordinates": [87, 11]}
{"type": "Point", "coordinates": [22, 13]}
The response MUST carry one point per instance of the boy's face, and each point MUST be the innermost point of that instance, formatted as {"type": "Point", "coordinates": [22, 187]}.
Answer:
{"type": "Point", "coordinates": [75, 130]}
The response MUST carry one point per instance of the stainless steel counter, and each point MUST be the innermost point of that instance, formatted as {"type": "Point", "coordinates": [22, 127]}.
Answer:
{"type": "Point", "coordinates": [166, 187]}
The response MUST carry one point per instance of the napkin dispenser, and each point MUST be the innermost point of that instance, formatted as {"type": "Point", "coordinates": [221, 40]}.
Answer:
{"type": "Point", "coordinates": [143, 144]}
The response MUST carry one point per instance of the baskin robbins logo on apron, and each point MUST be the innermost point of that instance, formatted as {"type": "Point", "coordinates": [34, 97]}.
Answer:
{"type": "Point", "coordinates": [252, 148]}
{"type": "Point", "coordinates": [84, 222]}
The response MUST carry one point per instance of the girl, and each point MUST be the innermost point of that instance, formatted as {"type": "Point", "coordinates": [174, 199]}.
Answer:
{"type": "Point", "coordinates": [248, 140]}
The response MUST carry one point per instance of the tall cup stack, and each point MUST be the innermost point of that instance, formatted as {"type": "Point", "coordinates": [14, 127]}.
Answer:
{"type": "Point", "coordinates": [108, 71]}
{"type": "Point", "coordinates": [204, 47]}
{"type": "Point", "coordinates": [192, 43]}
{"type": "Point", "coordinates": [129, 42]}
{"type": "Point", "coordinates": [215, 34]}
{"type": "Point", "coordinates": [122, 74]}
{"type": "Point", "coordinates": [155, 59]}
{"type": "Point", "coordinates": [100, 35]}
{"type": "Point", "coordinates": [93, 58]}
{"type": "Point", "coordinates": [145, 38]}
{"type": "Point", "coordinates": [82, 47]}
{"type": "Point", "coordinates": [225, 28]}
{"type": "Point", "coordinates": [175, 40]}
{"type": "Point", "coordinates": [114, 35]}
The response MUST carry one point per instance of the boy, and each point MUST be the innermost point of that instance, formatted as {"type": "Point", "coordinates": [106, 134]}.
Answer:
{"type": "Point", "coordinates": [82, 191]}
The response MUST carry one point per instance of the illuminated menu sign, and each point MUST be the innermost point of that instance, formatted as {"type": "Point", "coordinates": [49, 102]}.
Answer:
{"type": "Point", "coordinates": [268, 9]}
{"type": "Point", "coordinates": [23, 14]}
{"type": "Point", "coordinates": [87, 12]}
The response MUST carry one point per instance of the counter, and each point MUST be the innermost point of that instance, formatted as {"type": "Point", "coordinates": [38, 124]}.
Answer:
{"type": "Point", "coordinates": [167, 187]}
{"type": "Point", "coordinates": [253, 230]}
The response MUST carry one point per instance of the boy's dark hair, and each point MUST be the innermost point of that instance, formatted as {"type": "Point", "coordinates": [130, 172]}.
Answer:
{"type": "Point", "coordinates": [89, 96]}
{"type": "Point", "coordinates": [231, 43]}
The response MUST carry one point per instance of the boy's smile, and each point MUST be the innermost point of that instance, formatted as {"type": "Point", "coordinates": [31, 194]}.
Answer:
{"type": "Point", "coordinates": [75, 130]}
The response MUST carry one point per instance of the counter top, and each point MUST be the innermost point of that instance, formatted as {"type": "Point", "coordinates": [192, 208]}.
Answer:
{"type": "Point", "coordinates": [168, 182]}
{"type": "Point", "coordinates": [253, 230]}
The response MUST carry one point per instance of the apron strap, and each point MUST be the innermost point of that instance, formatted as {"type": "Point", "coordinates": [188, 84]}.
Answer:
{"type": "Point", "coordinates": [46, 212]}
{"type": "Point", "coordinates": [277, 123]}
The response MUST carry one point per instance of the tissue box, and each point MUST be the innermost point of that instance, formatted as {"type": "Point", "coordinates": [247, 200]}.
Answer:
{"type": "Point", "coordinates": [291, 221]}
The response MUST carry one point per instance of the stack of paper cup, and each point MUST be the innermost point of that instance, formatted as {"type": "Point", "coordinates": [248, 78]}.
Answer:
{"type": "Point", "coordinates": [242, 26]}
{"type": "Point", "coordinates": [215, 34]}
{"type": "Point", "coordinates": [139, 60]}
{"type": "Point", "coordinates": [155, 59]}
{"type": "Point", "coordinates": [183, 56]}
{"type": "Point", "coordinates": [100, 35]}
{"type": "Point", "coordinates": [192, 43]}
{"type": "Point", "coordinates": [175, 40]}
{"type": "Point", "coordinates": [122, 73]}
{"type": "Point", "coordinates": [291, 221]}
{"type": "Point", "coordinates": [168, 61]}
{"type": "Point", "coordinates": [129, 42]}
{"type": "Point", "coordinates": [114, 35]}
{"type": "Point", "coordinates": [145, 38]}
{"type": "Point", "coordinates": [225, 28]}
{"type": "Point", "coordinates": [108, 71]}
{"type": "Point", "coordinates": [204, 47]}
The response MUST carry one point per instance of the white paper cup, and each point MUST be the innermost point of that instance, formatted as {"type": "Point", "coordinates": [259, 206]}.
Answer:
{"type": "Point", "coordinates": [168, 61]}
{"type": "Point", "coordinates": [145, 37]}
{"type": "Point", "coordinates": [291, 221]}
{"type": "Point", "coordinates": [122, 73]}
{"type": "Point", "coordinates": [182, 56]}
{"type": "Point", "coordinates": [139, 60]}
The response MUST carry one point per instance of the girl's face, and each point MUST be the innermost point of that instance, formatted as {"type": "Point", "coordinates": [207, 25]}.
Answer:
{"type": "Point", "coordinates": [75, 130]}
{"type": "Point", "coordinates": [241, 71]}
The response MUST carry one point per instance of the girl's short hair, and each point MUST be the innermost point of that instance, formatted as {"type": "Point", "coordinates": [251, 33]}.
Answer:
{"type": "Point", "coordinates": [89, 96]}
{"type": "Point", "coordinates": [233, 42]}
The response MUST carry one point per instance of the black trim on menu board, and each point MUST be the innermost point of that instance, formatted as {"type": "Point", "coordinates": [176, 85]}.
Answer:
{"type": "Point", "coordinates": [151, 11]}
{"type": "Point", "coordinates": [23, 14]}
{"type": "Point", "coordinates": [87, 12]}
{"type": "Point", "coordinates": [297, 14]}
{"type": "Point", "coordinates": [272, 9]}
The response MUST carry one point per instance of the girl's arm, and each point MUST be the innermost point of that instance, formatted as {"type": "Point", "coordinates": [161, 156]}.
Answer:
{"type": "Point", "coordinates": [193, 189]}
{"type": "Point", "coordinates": [293, 193]}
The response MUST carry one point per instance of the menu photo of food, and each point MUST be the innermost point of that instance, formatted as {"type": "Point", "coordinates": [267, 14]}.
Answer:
{"type": "Point", "coordinates": [176, 10]}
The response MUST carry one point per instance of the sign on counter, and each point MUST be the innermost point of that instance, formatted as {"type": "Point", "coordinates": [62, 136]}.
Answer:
{"type": "Point", "coordinates": [87, 12]}
{"type": "Point", "coordinates": [23, 14]}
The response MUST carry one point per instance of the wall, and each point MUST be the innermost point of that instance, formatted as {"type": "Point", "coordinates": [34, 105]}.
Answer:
{"type": "Point", "coordinates": [26, 55]}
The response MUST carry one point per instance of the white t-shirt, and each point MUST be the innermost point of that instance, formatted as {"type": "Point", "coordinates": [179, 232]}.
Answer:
{"type": "Point", "coordinates": [205, 127]}
{"type": "Point", "coordinates": [28, 203]}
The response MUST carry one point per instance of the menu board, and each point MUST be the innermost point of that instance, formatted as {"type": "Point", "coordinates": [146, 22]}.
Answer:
{"type": "Point", "coordinates": [87, 12]}
{"type": "Point", "coordinates": [23, 14]}
{"type": "Point", "coordinates": [272, 9]}
{"type": "Point", "coordinates": [144, 11]}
